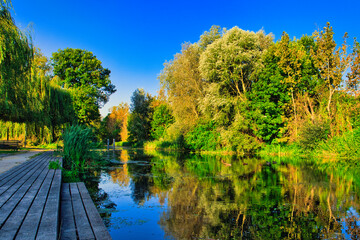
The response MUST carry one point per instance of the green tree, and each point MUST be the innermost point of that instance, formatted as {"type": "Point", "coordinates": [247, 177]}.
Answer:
{"type": "Point", "coordinates": [353, 77]}
{"type": "Point", "coordinates": [183, 82]}
{"type": "Point", "coordinates": [210, 36]}
{"type": "Point", "coordinates": [139, 121]}
{"type": "Point", "coordinates": [331, 62]}
{"type": "Point", "coordinates": [229, 65]}
{"type": "Point", "coordinates": [290, 56]}
{"type": "Point", "coordinates": [162, 119]}
{"type": "Point", "coordinates": [230, 60]}
{"type": "Point", "coordinates": [82, 73]}
{"type": "Point", "coordinates": [269, 97]}
{"type": "Point", "coordinates": [181, 78]}
{"type": "Point", "coordinates": [16, 54]}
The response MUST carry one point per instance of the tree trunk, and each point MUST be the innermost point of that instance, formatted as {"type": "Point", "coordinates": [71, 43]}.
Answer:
{"type": "Point", "coordinates": [331, 92]}
{"type": "Point", "coordinates": [295, 114]}
{"type": "Point", "coordinates": [311, 109]}
{"type": "Point", "coordinates": [25, 135]}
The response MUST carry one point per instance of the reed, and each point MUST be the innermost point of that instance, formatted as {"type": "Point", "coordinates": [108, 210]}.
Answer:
{"type": "Point", "coordinates": [78, 142]}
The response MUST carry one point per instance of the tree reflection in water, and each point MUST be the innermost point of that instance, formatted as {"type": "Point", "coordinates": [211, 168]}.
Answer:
{"type": "Point", "coordinates": [213, 197]}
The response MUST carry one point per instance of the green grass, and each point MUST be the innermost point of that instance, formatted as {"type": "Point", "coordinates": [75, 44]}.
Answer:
{"type": "Point", "coordinates": [162, 145]}
{"type": "Point", "coordinates": [54, 165]}
{"type": "Point", "coordinates": [280, 150]}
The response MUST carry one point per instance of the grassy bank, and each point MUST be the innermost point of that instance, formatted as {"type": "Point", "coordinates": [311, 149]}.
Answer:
{"type": "Point", "coordinates": [344, 149]}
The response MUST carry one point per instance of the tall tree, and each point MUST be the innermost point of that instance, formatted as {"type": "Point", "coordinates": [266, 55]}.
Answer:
{"type": "Point", "coordinates": [162, 119]}
{"type": "Point", "coordinates": [331, 62]}
{"type": "Point", "coordinates": [139, 121]}
{"type": "Point", "coordinates": [269, 98]}
{"type": "Point", "coordinates": [230, 60]}
{"type": "Point", "coordinates": [353, 77]}
{"type": "Point", "coordinates": [183, 82]}
{"type": "Point", "coordinates": [291, 57]}
{"type": "Point", "coordinates": [80, 71]}
{"type": "Point", "coordinates": [181, 78]}
{"type": "Point", "coordinates": [16, 54]}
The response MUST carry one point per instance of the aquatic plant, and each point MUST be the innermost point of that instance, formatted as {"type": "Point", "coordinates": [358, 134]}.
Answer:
{"type": "Point", "coordinates": [78, 142]}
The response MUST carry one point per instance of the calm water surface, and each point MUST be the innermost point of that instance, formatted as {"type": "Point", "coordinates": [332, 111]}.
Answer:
{"type": "Point", "coordinates": [176, 196]}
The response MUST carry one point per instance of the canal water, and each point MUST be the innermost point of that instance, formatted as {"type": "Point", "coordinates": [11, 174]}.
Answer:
{"type": "Point", "coordinates": [167, 195]}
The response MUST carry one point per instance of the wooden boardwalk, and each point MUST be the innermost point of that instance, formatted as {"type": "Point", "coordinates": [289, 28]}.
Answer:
{"type": "Point", "coordinates": [80, 218]}
{"type": "Point", "coordinates": [30, 197]}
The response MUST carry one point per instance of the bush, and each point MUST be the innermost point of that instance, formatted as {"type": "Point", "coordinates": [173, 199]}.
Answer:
{"type": "Point", "coordinates": [345, 146]}
{"type": "Point", "coordinates": [78, 141]}
{"type": "Point", "coordinates": [239, 142]}
{"type": "Point", "coordinates": [313, 134]}
{"type": "Point", "coordinates": [203, 137]}
{"type": "Point", "coordinates": [177, 144]}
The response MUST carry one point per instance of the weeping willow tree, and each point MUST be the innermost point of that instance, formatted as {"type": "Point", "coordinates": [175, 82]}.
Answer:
{"type": "Point", "coordinates": [16, 54]}
{"type": "Point", "coordinates": [48, 106]}
{"type": "Point", "coordinates": [31, 102]}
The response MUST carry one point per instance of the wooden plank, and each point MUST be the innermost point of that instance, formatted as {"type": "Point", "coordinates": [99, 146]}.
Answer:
{"type": "Point", "coordinates": [97, 224]}
{"type": "Point", "coordinates": [14, 170]}
{"type": "Point", "coordinates": [68, 229]}
{"type": "Point", "coordinates": [81, 220]}
{"type": "Point", "coordinates": [12, 202]}
{"type": "Point", "coordinates": [10, 190]}
{"type": "Point", "coordinates": [49, 223]}
{"type": "Point", "coordinates": [20, 171]}
{"type": "Point", "coordinates": [31, 222]}
{"type": "Point", "coordinates": [6, 183]}
{"type": "Point", "coordinates": [13, 223]}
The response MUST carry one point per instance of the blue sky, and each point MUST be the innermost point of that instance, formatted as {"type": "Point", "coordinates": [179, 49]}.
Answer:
{"type": "Point", "coordinates": [134, 38]}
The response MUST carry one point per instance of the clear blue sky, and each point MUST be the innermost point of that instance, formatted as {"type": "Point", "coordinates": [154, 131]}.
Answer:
{"type": "Point", "coordinates": [134, 38]}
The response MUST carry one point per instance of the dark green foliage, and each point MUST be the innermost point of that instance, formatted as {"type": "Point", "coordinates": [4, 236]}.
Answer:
{"type": "Point", "coordinates": [139, 122]}
{"type": "Point", "coordinates": [80, 71]}
{"type": "Point", "coordinates": [202, 137]}
{"type": "Point", "coordinates": [78, 142]}
{"type": "Point", "coordinates": [16, 54]}
{"type": "Point", "coordinates": [268, 99]}
{"type": "Point", "coordinates": [54, 165]}
{"type": "Point", "coordinates": [313, 134]}
{"type": "Point", "coordinates": [162, 119]}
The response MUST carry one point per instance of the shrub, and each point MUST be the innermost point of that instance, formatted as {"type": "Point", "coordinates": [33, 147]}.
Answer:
{"type": "Point", "coordinates": [313, 134]}
{"type": "Point", "coordinates": [345, 146]}
{"type": "Point", "coordinates": [239, 142]}
{"type": "Point", "coordinates": [54, 165]}
{"type": "Point", "coordinates": [78, 141]}
{"type": "Point", "coordinates": [202, 137]}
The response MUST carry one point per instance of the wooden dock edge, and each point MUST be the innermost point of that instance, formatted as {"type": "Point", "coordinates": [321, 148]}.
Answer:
{"type": "Point", "coordinates": [79, 217]}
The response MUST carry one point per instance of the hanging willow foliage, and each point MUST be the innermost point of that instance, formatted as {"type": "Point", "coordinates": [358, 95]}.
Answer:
{"type": "Point", "coordinates": [16, 54]}
{"type": "Point", "coordinates": [31, 103]}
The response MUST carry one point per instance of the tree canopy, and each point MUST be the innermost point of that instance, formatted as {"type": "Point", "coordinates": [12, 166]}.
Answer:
{"type": "Point", "coordinates": [82, 73]}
